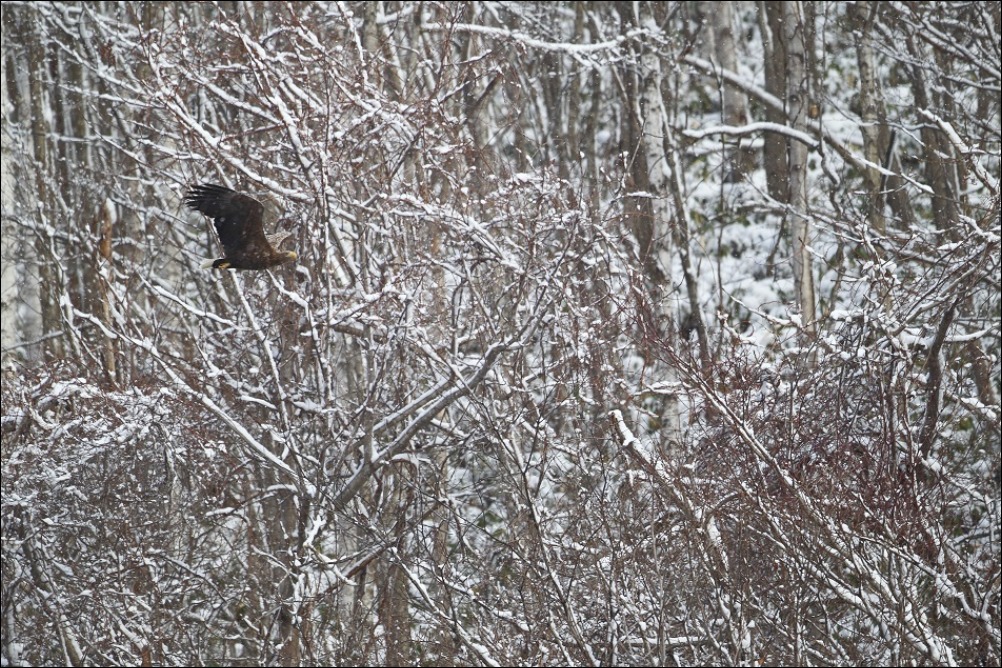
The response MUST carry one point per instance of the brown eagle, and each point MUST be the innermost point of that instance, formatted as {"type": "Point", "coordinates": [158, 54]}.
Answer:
{"type": "Point", "coordinates": [238, 220]}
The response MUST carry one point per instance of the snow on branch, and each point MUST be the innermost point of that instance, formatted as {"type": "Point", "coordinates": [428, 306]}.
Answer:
{"type": "Point", "coordinates": [532, 43]}
{"type": "Point", "coordinates": [753, 128]}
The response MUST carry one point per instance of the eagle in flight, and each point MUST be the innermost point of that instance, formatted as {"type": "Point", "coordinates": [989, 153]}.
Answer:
{"type": "Point", "coordinates": [238, 220]}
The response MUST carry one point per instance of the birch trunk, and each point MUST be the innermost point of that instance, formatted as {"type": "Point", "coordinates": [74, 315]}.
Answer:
{"type": "Point", "coordinates": [9, 294]}
{"type": "Point", "coordinates": [869, 102]}
{"type": "Point", "coordinates": [652, 116]}
{"type": "Point", "coordinates": [734, 104]}
{"type": "Point", "coordinates": [797, 93]}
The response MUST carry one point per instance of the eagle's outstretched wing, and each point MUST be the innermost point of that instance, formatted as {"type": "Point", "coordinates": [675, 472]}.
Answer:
{"type": "Point", "coordinates": [238, 220]}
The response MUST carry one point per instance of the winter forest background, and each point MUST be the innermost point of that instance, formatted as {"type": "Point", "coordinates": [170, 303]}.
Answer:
{"type": "Point", "coordinates": [622, 333]}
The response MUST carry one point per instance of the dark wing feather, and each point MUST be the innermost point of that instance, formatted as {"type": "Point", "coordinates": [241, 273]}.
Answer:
{"type": "Point", "coordinates": [238, 220]}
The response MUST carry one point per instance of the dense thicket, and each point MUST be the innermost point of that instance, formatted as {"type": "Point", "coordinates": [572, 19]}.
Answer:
{"type": "Point", "coordinates": [621, 333]}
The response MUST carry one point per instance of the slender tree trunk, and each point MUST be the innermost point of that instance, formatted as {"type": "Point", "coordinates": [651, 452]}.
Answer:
{"type": "Point", "coordinates": [653, 176]}
{"type": "Point", "coordinates": [738, 160]}
{"type": "Point", "coordinates": [394, 601]}
{"type": "Point", "coordinates": [797, 100]}
{"type": "Point", "coordinates": [941, 167]}
{"type": "Point", "coordinates": [48, 290]}
{"type": "Point", "coordinates": [774, 149]}
{"type": "Point", "coordinates": [870, 104]}
{"type": "Point", "coordinates": [879, 143]}
{"type": "Point", "coordinates": [9, 293]}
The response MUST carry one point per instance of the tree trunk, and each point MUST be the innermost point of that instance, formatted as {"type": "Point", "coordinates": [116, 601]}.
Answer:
{"type": "Point", "coordinates": [797, 100]}
{"type": "Point", "coordinates": [870, 104]}
{"type": "Point", "coordinates": [44, 241]}
{"type": "Point", "coordinates": [738, 160]}
{"type": "Point", "coordinates": [9, 293]}
{"type": "Point", "coordinates": [774, 151]}
{"type": "Point", "coordinates": [653, 177]}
